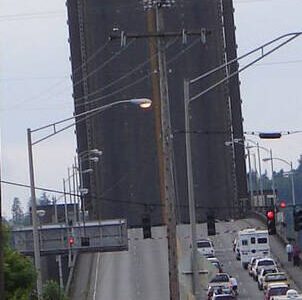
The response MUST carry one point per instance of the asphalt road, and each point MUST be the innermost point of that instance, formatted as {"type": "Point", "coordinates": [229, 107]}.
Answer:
{"type": "Point", "coordinates": [142, 272]}
{"type": "Point", "coordinates": [248, 288]}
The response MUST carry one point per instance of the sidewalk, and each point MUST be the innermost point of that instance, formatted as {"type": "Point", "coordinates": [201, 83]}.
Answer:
{"type": "Point", "coordinates": [278, 250]}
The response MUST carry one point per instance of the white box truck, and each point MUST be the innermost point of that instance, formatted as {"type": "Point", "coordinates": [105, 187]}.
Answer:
{"type": "Point", "coordinates": [252, 242]}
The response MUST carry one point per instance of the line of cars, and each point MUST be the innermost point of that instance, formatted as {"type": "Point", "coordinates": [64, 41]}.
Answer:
{"type": "Point", "coordinates": [251, 247]}
{"type": "Point", "coordinates": [222, 286]}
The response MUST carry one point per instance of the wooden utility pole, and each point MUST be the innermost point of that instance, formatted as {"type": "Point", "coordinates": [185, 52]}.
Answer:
{"type": "Point", "coordinates": [158, 35]}
{"type": "Point", "coordinates": [157, 109]}
{"type": "Point", "coordinates": [167, 159]}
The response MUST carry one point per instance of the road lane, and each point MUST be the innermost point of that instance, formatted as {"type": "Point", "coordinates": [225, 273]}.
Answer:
{"type": "Point", "coordinates": [248, 289]}
{"type": "Point", "coordinates": [141, 273]}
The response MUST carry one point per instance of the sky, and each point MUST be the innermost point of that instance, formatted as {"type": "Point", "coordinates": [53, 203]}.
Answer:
{"type": "Point", "coordinates": [35, 86]}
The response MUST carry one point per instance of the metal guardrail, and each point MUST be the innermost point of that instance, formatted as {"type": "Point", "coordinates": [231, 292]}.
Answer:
{"type": "Point", "coordinates": [102, 236]}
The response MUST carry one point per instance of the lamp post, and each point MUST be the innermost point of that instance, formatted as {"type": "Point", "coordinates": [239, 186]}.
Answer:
{"type": "Point", "coordinates": [290, 164]}
{"type": "Point", "coordinates": [85, 156]}
{"type": "Point", "coordinates": [259, 164]}
{"type": "Point", "coordinates": [143, 103]}
{"type": "Point", "coordinates": [187, 99]}
{"type": "Point", "coordinates": [247, 147]}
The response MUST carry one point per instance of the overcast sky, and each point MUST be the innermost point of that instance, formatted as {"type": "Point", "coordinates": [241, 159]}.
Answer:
{"type": "Point", "coordinates": [36, 87]}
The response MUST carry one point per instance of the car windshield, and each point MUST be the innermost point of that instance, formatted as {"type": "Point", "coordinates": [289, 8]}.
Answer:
{"type": "Point", "coordinates": [220, 278]}
{"type": "Point", "coordinates": [224, 297]}
{"type": "Point", "coordinates": [276, 277]}
{"type": "Point", "coordinates": [204, 244]}
{"type": "Point", "coordinates": [266, 263]}
{"type": "Point", "coordinates": [220, 287]}
{"type": "Point", "coordinates": [269, 271]}
{"type": "Point", "coordinates": [278, 291]}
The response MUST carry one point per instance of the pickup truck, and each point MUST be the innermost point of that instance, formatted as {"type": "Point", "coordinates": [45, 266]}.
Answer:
{"type": "Point", "coordinates": [262, 274]}
{"type": "Point", "coordinates": [274, 278]}
{"type": "Point", "coordinates": [262, 263]}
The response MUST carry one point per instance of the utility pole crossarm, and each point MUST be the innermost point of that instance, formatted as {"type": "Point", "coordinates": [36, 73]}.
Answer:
{"type": "Point", "coordinates": [161, 34]}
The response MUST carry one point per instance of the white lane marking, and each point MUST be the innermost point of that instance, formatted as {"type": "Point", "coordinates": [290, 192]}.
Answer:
{"type": "Point", "coordinates": [96, 275]}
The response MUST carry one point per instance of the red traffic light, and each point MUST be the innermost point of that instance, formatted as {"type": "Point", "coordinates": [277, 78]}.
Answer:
{"type": "Point", "coordinates": [270, 215]}
{"type": "Point", "coordinates": [71, 241]}
{"type": "Point", "coordinates": [282, 205]}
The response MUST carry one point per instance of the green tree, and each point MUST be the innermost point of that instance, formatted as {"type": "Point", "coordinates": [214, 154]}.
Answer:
{"type": "Point", "coordinates": [17, 212]}
{"type": "Point", "coordinates": [19, 274]}
{"type": "Point", "coordinates": [52, 291]}
{"type": "Point", "coordinates": [44, 199]}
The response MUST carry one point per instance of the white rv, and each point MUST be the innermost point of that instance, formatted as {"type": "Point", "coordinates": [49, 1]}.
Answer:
{"type": "Point", "coordinates": [252, 242]}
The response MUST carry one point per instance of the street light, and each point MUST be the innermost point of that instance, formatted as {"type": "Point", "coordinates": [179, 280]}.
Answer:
{"type": "Point", "coordinates": [247, 147]}
{"type": "Point", "coordinates": [259, 163]}
{"type": "Point", "coordinates": [144, 103]}
{"type": "Point", "coordinates": [187, 100]}
{"type": "Point", "coordinates": [290, 164]}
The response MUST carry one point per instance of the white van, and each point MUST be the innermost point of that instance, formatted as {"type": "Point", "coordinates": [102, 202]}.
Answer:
{"type": "Point", "coordinates": [252, 243]}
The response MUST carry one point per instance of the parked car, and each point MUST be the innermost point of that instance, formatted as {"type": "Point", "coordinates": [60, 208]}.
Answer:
{"type": "Point", "coordinates": [251, 264]}
{"type": "Point", "coordinates": [206, 247]}
{"type": "Point", "coordinates": [221, 279]}
{"type": "Point", "coordinates": [224, 297]}
{"type": "Point", "coordinates": [274, 278]}
{"type": "Point", "coordinates": [290, 294]}
{"type": "Point", "coordinates": [265, 263]}
{"type": "Point", "coordinates": [216, 263]}
{"type": "Point", "coordinates": [275, 289]}
{"type": "Point", "coordinates": [217, 289]}
{"type": "Point", "coordinates": [262, 274]}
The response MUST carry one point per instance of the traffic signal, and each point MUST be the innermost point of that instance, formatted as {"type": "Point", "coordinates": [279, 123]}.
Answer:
{"type": "Point", "coordinates": [282, 205]}
{"type": "Point", "coordinates": [270, 135]}
{"type": "Point", "coordinates": [71, 241]}
{"type": "Point", "coordinates": [146, 227]}
{"type": "Point", "coordinates": [85, 241]}
{"type": "Point", "coordinates": [271, 222]}
{"type": "Point", "coordinates": [298, 219]}
{"type": "Point", "coordinates": [211, 224]}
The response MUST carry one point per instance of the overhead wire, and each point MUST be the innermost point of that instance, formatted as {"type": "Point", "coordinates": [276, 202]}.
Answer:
{"type": "Point", "coordinates": [138, 80]}
{"type": "Point", "coordinates": [29, 16]}
{"type": "Point", "coordinates": [104, 64]}
{"type": "Point", "coordinates": [61, 82]}
{"type": "Point", "coordinates": [137, 68]}
{"type": "Point", "coordinates": [92, 56]}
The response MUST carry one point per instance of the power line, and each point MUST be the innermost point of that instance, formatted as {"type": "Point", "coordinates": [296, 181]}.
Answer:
{"type": "Point", "coordinates": [104, 64]}
{"type": "Point", "coordinates": [32, 78]}
{"type": "Point", "coordinates": [113, 200]}
{"type": "Point", "coordinates": [140, 66]}
{"type": "Point", "coordinates": [29, 16]}
{"type": "Point", "coordinates": [98, 51]}
{"type": "Point", "coordinates": [51, 88]}
{"type": "Point", "coordinates": [141, 78]}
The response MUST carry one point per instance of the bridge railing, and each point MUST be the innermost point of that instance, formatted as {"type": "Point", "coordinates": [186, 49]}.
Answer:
{"type": "Point", "coordinates": [101, 236]}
